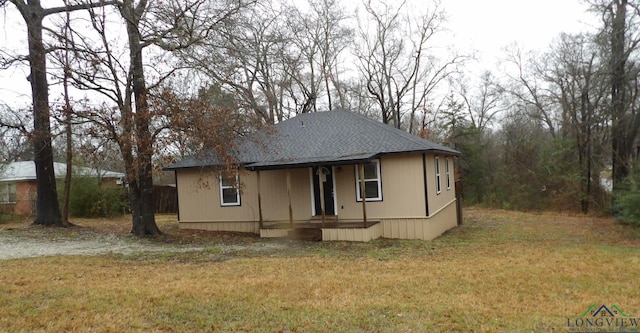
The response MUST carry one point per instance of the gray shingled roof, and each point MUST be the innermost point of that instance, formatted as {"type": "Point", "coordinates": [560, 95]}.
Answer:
{"type": "Point", "coordinates": [327, 138]}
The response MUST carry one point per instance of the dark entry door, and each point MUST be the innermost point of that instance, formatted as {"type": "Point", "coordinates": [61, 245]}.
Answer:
{"type": "Point", "coordinates": [327, 177]}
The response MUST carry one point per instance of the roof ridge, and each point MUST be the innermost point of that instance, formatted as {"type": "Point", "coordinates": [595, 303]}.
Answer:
{"type": "Point", "coordinates": [403, 134]}
{"type": "Point", "coordinates": [337, 136]}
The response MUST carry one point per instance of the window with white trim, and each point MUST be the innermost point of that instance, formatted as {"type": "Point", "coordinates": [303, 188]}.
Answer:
{"type": "Point", "coordinates": [447, 173]}
{"type": "Point", "coordinates": [229, 190]}
{"type": "Point", "coordinates": [438, 187]}
{"type": "Point", "coordinates": [8, 193]}
{"type": "Point", "coordinates": [372, 183]}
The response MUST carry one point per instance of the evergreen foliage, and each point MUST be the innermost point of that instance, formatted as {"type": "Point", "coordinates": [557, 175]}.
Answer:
{"type": "Point", "coordinates": [627, 204]}
{"type": "Point", "coordinates": [90, 199]}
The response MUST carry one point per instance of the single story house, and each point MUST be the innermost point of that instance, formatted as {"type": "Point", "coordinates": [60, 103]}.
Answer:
{"type": "Point", "coordinates": [313, 171]}
{"type": "Point", "coordinates": [18, 189]}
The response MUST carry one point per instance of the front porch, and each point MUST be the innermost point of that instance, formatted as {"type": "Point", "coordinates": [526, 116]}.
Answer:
{"type": "Point", "coordinates": [324, 225]}
{"type": "Point", "coordinates": [331, 230]}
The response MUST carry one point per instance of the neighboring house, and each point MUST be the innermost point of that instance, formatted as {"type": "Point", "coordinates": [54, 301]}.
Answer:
{"type": "Point", "coordinates": [306, 173]}
{"type": "Point", "coordinates": [18, 188]}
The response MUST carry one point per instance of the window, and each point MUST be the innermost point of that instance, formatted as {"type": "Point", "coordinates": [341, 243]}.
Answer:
{"type": "Point", "coordinates": [372, 184]}
{"type": "Point", "coordinates": [438, 188]}
{"type": "Point", "coordinates": [229, 191]}
{"type": "Point", "coordinates": [8, 193]}
{"type": "Point", "coordinates": [447, 173]}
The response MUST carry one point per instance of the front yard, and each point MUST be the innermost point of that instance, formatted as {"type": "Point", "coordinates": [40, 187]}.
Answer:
{"type": "Point", "coordinates": [500, 271]}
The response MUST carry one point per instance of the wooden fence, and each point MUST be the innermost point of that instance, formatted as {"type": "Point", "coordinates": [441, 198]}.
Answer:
{"type": "Point", "coordinates": [165, 199]}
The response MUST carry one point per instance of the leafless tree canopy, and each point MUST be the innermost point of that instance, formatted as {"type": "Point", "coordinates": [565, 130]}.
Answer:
{"type": "Point", "coordinates": [158, 80]}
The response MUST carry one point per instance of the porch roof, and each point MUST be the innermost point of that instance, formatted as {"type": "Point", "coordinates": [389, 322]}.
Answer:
{"type": "Point", "coordinates": [311, 161]}
{"type": "Point", "coordinates": [322, 138]}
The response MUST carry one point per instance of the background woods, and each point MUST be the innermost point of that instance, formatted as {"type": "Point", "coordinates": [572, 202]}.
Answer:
{"type": "Point", "coordinates": [152, 81]}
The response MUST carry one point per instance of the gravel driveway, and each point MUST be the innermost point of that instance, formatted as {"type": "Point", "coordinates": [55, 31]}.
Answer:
{"type": "Point", "coordinates": [19, 245]}
{"type": "Point", "coordinates": [12, 246]}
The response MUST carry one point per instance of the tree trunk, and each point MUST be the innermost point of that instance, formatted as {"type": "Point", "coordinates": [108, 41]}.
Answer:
{"type": "Point", "coordinates": [47, 207]}
{"type": "Point", "coordinates": [68, 130]}
{"type": "Point", "coordinates": [141, 191]}
{"type": "Point", "coordinates": [620, 155]}
{"type": "Point", "coordinates": [69, 161]}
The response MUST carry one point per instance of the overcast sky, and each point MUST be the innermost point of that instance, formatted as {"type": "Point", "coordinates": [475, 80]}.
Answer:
{"type": "Point", "coordinates": [484, 25]}
{"type": "Point", "coordinates": [489, 25]}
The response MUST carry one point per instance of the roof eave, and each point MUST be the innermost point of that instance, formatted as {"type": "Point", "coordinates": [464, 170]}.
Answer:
{"type": "Point", "coordinates": [280, 166]}
{"type": "Point", "coordinates": [203, 166]}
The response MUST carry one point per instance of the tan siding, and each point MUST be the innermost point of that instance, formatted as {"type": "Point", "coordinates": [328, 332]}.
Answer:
{"type": "Point", "coordinates": [352, 234]}
{"type": "Point", "coordinates": [443, 221]}
{"type": "Point", "coordinates": [402, 190]}
{"type": "Point", "coordinates": [421, 228]}
{"type": "Point", "coordinates": [402, 211]}
{"type": "Point", "coordinates": [275, 201]}
{"type": "Point", "coordinates": [438, 201]}
{"type": "Point", "coordinates": [199, 194]}
{"type": "Point", "coordinates": [273, 233]}
{"type": "Point", "coordinates": [252, 227]}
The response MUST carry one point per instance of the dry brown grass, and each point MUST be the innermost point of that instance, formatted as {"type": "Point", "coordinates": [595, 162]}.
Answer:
{"type": "Point", "coordinates": [501, 271]}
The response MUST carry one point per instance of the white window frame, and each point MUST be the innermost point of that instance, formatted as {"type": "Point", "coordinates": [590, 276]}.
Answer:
{"type": "Point", "coordinates": [378, 180]}
{"type": "Point", "coordinates": [223, 187]}
{"type": "Point", "coordinates": [447, 173]}
{"type": "Point", "coordinates": [438, 186]}
{"type": "Point", "coordinates": [8, 194]}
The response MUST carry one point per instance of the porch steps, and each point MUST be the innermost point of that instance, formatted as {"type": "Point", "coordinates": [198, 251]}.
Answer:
{"type": "Point", "coordinates": [327, 219]}
{"type": "Point", "coordinates": [308, 234]}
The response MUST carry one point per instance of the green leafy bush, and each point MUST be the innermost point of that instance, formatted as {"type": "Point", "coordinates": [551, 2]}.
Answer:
{"type": "Point", "coordinates": [90, 199]}
{"type": "Point", "coordinates": [627, 202]}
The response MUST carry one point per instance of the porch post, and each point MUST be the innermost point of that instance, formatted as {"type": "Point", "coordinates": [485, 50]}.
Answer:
{"type": "Point", "coordinates": [363, 195]}
{"type": "Point", "coordinates": [321, 183]}
{"type": "Point", "coordinates": [259, 200]}
{"type": "Point", "coordinates": [289, 195]}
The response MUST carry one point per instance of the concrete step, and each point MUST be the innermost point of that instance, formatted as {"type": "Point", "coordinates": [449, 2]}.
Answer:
{"type": "Point", "coordinates": [327, 219]}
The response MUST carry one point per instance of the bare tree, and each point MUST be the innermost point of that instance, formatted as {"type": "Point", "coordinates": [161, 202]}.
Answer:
{"type": "Point", "coordinates": [118, 73]}
{"type": "Point", "coordinates": [578, 75]}
{"type": "Point", "coordinates": [525, 72]}
{"type": "Point", "coordinates": [248, 57]}
{"type": "Point", "coordinates": [398, 61]}
{"type": "Point", "coordinates": [620, 21]}
{"type": "Point", "coordinates": [15, 134]}
{"type": "Point", "coordinates": [564, 89]}
{"type": "Point", "coordinates": [47, 207]}
{"type": "Point", "coordinates": [484, 103]}
{"type": "Point", "coordinates": [320, 35]}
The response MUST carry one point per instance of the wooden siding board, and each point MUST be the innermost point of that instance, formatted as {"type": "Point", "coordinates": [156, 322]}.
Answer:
{"type": "Point", "coordinates": [352, 234]}
{"type": "Point", "coordinates": [420, 228]}
{"type": "Point", "coordinates": [438, 201]}
{"type": "Point", "coordinates": [402, 195]}
{"type": "Point", "coordinates": [248, 227]}
{"type": "Point", "coordinates": [200, 196]}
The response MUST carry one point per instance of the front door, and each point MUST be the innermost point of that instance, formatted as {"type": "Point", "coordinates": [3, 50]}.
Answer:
{"type": "Point", "coordinates": [327, 180]}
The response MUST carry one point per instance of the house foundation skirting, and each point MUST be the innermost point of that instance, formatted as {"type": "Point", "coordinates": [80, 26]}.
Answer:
{"type": "Point", "coordinates": [425, 228]}
{"type": "Point", "coordinates": [236, 226]}
{"type": "Point", "coordinates": [352, 234]}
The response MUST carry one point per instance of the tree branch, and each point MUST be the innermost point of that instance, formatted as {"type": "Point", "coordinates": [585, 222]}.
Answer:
{"type": "Point", "coordinates": [80, 6]}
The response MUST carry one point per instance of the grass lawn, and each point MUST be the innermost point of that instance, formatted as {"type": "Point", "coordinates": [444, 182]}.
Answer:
{"type": "Point", "coordinates": [499, 272]}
